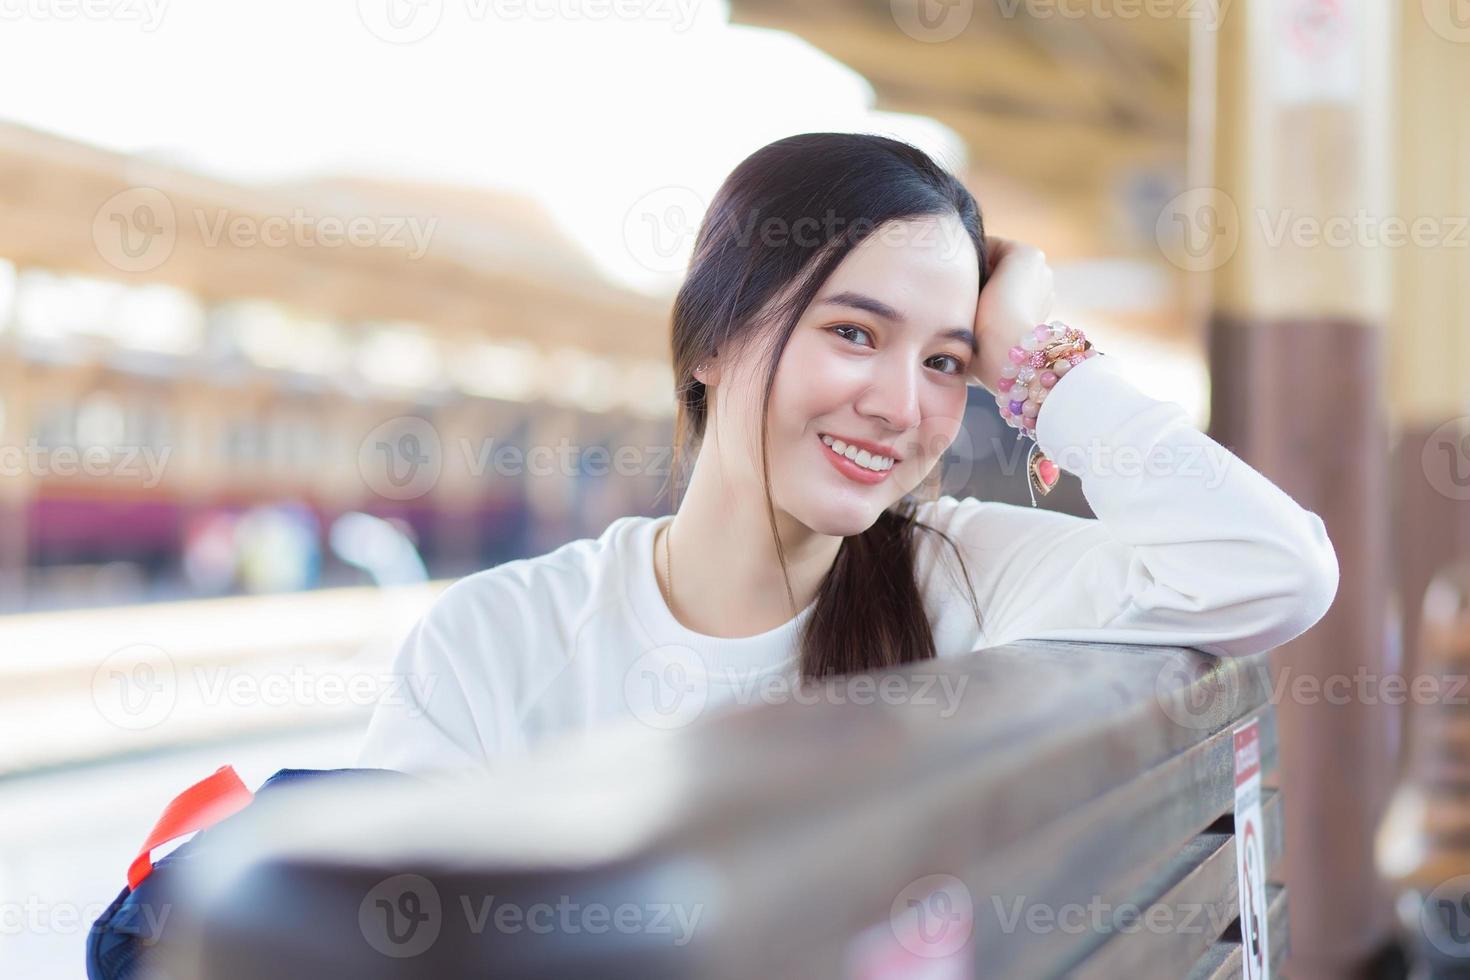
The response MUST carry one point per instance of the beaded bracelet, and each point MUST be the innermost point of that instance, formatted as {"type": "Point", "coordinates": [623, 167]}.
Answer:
{"type": "Point", "coordinates": [1044, 354]}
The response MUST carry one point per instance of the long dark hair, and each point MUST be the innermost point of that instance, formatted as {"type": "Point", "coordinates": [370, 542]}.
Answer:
{"type": "Point", "coordinates": [780, 224]}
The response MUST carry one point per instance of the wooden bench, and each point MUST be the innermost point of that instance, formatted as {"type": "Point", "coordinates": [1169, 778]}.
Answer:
{"type": "Point", "coordinates": [1060, 778]}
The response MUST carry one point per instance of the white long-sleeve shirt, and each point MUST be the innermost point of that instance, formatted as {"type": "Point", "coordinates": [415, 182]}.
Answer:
{"type": "Point", "coordinates": [1190, 547]}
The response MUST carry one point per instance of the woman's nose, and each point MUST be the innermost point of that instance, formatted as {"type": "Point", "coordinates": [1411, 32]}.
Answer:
{"type": "Point", "coordinates": [893, 397]}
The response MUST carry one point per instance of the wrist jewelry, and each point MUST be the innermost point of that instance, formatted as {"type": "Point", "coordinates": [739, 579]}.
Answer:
{"type": "Point", "coordinates": [1043, 355]}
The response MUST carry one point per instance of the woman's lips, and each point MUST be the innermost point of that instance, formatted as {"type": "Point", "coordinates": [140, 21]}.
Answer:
{"type": "Point", "coordinates": [849, 469]}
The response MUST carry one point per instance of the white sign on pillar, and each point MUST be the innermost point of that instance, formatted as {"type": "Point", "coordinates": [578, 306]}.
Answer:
{"type": "Point", "coordinates": [1250, 853]}
{"type": "Point", "coordinates": [1316, 52]}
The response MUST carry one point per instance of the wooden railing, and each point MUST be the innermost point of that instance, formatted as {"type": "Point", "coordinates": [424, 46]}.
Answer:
{"type": "Point", "coordinates": [1035, 810]}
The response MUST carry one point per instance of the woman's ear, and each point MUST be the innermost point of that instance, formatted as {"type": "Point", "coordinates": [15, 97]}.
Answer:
{"type": "Point", "coordinates": [707, 372]}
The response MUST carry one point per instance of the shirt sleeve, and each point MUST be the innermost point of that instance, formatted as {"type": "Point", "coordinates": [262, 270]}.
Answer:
{"type": "Point", "coordinates": [432, 717]}
{"type": "Point", "coordinates": [1190, 546]}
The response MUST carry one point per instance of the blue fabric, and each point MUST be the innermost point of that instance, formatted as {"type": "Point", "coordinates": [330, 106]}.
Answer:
{"type": "Point", "coordinates": [122, 935]}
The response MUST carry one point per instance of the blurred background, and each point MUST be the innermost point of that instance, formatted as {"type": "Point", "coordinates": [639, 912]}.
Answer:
{"type": "Point", "coordinates": [306, 310]}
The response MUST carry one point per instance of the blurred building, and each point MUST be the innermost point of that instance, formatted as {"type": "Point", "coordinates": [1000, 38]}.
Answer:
{"type": "Point", "coordinates": [150, 405]}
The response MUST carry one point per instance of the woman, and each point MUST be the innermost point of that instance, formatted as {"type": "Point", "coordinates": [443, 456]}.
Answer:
{"type": "Point", "coordinates": [841, 298]}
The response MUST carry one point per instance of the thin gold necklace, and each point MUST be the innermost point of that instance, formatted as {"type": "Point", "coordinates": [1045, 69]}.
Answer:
{"type": "Point", "coordinates": [668, 567]}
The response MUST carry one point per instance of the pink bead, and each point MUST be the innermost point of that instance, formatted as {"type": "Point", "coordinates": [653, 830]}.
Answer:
{"type": "Point", "coordinates": [1005, 384]}
{"type": "Point", "coordinates": [1048, 378]}
{"type": "Point", "coordinates": [1061, 367]}
{"type": "Point", "coordinates": [1009, 371]}
{"type": "Point", "coordinates": [1041, 331]}
{"type": "Point", "coordinates": [1018, 355]}
{"type": "Point", "coordinates": [1031, 409]}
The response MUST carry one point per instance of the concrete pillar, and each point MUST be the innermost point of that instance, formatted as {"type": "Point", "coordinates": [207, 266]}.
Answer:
{"type": "Point", "coordinates": [1429, 361]}
{"type": "Point", "coordinates": [1290, 177]}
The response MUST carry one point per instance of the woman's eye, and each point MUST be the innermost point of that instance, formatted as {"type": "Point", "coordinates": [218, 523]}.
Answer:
{"type": "Point", "coordinates": [959, 366]}
{"type": "Point", "coordinates": [850, 332]}
{"type": "Point", "coordinates": [855, 329]}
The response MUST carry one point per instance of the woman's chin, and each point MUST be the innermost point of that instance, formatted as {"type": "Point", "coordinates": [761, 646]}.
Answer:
{"type": "Point", "coordinates": [845, 518]}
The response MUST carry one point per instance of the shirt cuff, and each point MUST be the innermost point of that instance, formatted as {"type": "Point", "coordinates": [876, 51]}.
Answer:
{"type": "Point", "coordinates": [1086, 408]}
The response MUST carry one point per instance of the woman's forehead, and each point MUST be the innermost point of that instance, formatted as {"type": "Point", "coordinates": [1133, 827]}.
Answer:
{"type": "Point", "coordinates": [924, 279]}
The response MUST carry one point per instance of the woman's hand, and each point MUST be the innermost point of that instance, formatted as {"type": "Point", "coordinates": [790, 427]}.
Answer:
{"type": "Point", "coordinates": [1018, 294]}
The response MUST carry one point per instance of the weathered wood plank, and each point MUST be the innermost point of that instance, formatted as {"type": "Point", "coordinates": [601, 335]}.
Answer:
{"type": "Point", "coordinates": [1058, 772]}
{"type": "Point", "coordinates": [1199, 895]}
{"type": "Point", "coordinates": [1222, 962]}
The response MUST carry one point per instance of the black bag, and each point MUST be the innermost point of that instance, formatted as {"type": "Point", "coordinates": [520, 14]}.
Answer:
{"type": "Point", "coordinates": [132, 925]}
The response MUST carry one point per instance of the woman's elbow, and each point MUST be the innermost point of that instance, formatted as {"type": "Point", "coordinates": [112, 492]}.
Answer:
{"type": "Point", "coordinates": [1296, 593]}
{"type": "Point", "coordinates": [1316, 577]}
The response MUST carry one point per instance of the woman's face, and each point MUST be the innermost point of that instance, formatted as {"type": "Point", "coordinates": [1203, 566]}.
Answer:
{"type": "Point", "coordinates": [879, 361]}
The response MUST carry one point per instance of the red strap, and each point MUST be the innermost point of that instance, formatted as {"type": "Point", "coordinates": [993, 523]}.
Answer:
{"type": "Point", "coordinates": [202, 805]}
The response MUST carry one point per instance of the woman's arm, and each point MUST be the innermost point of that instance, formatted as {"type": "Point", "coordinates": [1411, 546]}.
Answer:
{"type": "Point", "coordinates": [441, 710]}
{"type": "Point", "coordinates": [1190, 547]}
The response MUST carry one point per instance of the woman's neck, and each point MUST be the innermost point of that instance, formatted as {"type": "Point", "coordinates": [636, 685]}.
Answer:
{"type": "Point", "coordinates": [727, 579]}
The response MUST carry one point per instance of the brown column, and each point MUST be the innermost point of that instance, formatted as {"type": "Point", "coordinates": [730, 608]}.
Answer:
{"type": "Point", "coordinates": [1429, 363]}
{"type": "Point", "coordinates": [1289, 173]}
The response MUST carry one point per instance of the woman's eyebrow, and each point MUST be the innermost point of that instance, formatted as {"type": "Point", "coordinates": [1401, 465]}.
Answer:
{"type": "Point", "coordinates": [878, 308]}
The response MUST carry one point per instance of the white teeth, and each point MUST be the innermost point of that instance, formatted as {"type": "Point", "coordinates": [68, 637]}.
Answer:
{"type": "Point", "coordinates": [861, 457]}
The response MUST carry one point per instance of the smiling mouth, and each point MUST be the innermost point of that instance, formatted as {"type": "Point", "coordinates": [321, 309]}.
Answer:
{"type": "Point", "coordinates": [873, 464]}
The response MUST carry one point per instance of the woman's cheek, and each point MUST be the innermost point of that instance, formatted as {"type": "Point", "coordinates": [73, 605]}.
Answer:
{"type": "Point", "coordinates": [942, 423]}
